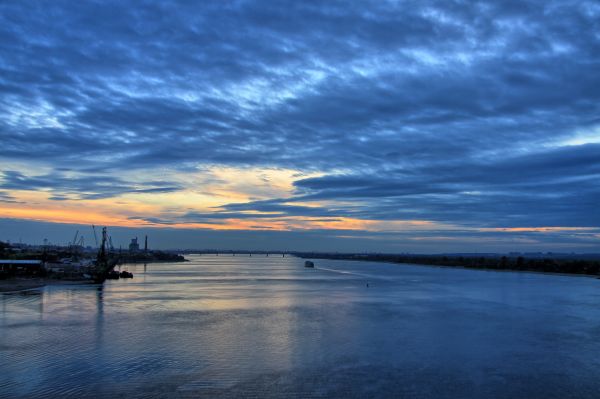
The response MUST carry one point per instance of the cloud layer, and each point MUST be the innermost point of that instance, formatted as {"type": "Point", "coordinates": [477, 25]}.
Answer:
{"type": "Point", "coordinates": [477, 114]}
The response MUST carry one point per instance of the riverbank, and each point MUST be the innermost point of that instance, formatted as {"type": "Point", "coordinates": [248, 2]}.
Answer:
{"type": "Point", "coordinates": [562, 266]}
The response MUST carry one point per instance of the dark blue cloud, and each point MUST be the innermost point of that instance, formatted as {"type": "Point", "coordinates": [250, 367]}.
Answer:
{"type": "Point", "coordinates": [65, 187]}
{"type": "Point", "coordinates": [243, 83]}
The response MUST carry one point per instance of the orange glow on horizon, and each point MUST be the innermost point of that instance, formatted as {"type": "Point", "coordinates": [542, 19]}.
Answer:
{"type": "Point", "coordinates": [221, 186]}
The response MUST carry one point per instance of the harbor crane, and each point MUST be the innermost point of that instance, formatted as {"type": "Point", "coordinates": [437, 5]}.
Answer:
{"type": "Point", "coordinates": [95, 236]}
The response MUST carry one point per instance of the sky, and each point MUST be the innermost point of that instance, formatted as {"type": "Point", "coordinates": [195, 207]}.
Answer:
{"type": "Point", "coordinates": [392, 126]}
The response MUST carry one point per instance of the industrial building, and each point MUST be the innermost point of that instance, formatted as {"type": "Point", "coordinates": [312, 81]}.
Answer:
{"type": "Point", "coordinates": [12, 267]}
{"type": "Point", "coordinates": [134, 246]}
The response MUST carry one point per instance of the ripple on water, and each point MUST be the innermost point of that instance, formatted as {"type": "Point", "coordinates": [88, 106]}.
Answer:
{"type": "Point", "coordinates": [229, 327]}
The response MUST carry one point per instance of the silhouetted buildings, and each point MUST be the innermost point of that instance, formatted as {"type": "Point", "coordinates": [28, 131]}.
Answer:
{"type": "Point", "coordinates": [134, 246]}
{"type": "Point", "coordinates": [15, 267]}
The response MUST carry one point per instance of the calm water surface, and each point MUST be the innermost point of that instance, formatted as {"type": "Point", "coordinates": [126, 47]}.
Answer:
{"type": "Point", "coordinates": [268, 327]}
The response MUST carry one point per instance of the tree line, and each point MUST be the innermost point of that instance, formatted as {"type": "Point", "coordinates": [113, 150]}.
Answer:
{"type": "Point", "coordinates": [519, 263]}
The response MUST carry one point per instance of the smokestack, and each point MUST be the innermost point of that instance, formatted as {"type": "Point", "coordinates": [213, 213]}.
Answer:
{"type": "Point", "coordinates": [146, 244]}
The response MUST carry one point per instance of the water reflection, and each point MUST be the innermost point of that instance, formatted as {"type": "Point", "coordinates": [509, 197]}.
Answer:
{"type": "Point", "coordinates": [268, 327]}
{"type": "Point", "coordinates": [99, 328]}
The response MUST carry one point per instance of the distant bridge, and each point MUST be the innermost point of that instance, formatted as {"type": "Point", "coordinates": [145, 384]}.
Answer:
{"type": "Point", "coordinates": [236, 253]}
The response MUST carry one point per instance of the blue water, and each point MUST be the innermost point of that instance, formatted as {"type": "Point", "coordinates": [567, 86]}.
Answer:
{"type": "Point", "coordinates": [268, 327]}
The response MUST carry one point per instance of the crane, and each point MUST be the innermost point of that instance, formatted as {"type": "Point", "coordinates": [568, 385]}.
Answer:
{"type": "Point", "coordinates": [95, 236]}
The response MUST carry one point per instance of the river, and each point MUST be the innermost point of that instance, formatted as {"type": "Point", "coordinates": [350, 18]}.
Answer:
{"type": "Point", "coordinates": [240, 326]}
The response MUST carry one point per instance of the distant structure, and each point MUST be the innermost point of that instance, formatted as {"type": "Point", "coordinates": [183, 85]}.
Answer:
{"type": "Point", "coordinates": [134, 246]}
{"type": "Point", "coordinates": [146, 244]}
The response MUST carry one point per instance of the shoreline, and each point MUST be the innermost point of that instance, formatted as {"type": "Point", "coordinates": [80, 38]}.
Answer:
{"type": "Point", "coordinates": [19, 284]}
{"type": "Point", "coordinates": [483, 269]}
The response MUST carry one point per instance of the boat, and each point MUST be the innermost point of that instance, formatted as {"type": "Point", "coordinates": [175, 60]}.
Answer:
{"type": "Point", "coordinates": [105, 262]}
{"type": "Point", "coordinates": [309, 264]}
{"type": "Point", "coordinates": [125, 274]}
